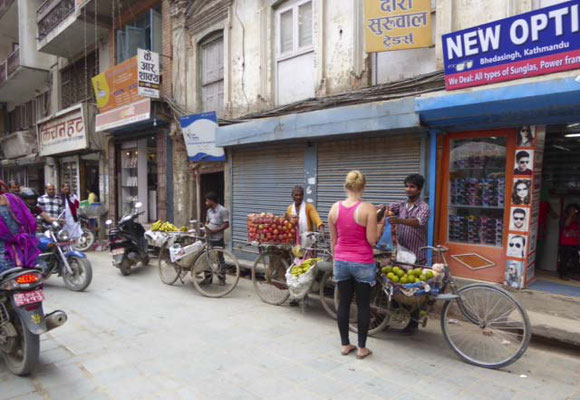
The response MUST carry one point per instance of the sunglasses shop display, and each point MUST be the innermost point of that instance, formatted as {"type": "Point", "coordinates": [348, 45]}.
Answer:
{"type": "Point", "coordinates": [476, 229]}
{"type": "Point", "coordinates": [485, 192]}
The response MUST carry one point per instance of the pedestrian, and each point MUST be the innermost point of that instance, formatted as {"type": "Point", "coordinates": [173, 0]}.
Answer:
{"type": "Point", "coordinates": [14, 187]}
{"type": "Point", "coordinates": [92, 196]}
{"type": "Point", "coordinates": [18, 242]}
{"type": "Point", "coordinates": [354, 231]}
{"type": "Point", "coordinates": [308, 217]}
{"type": "Point", "coordinates": [217, 222]}
{"type": "Point", "coordinates": [70, 206]}
{"type": "Point", "coordinates": [30, 197]}
{"type": "Point", "coordinates": [50, 202]}
{"type": "Point", "coordinates": [411, 218]}
{"type": "Point", "coordinates": [569, 241]}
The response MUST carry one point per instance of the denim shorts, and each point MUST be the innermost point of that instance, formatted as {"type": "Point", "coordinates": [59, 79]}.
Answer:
{"type": "Point", "coordinates": [364, 273]}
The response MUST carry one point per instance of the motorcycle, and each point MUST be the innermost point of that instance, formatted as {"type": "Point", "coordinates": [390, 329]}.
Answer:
{"type": "Point", "coordinates": [22, 318]}
{"type": "Point", "coordinates": [87, 239]}
{"type": "Point", "coordinates": [127, 241]}
{"type": "Point", "coordinates": [57, 252]}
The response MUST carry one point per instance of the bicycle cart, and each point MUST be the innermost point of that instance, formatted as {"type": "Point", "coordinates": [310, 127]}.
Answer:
{"type": "Point", "coordinates": [484, 324]}
{"type": "Point", "coordinates": [215, 271]}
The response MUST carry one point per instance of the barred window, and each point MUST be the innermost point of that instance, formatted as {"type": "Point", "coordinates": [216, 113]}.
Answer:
{"type": "Point", "coordinates": [76, 84]}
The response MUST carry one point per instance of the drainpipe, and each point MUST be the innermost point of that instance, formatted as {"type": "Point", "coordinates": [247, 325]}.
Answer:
{"type": "Point", "coordinates": [432, 188]}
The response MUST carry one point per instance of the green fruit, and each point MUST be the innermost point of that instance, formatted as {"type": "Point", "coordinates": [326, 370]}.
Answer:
{"type": "Point", "coordinates": [395, 279]}
{"type": "Point", "coordinates": [418, 271]}
{"type": "Point", "coordinates": [423, 277]}
{"type": "Point", "coordinates": [391, 275]}
{"type": "Point", "coordinates": [430, 274]}
{"type": "Point", "coordinates": [396, 269]}
{"type": "Point", "coordinates": [404, 280]}
{"type": "Point", "coordinates": [388, 268]}
{"type": "Point", "coordinates": [411, 279]}
{"type": "Point", "coordinates": [385, 270]}
{"type": "Point", "coordinates": [400, 273]}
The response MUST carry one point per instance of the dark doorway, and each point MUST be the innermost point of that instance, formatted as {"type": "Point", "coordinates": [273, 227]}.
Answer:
{"type": "Point", "coordinates": [212, 182]}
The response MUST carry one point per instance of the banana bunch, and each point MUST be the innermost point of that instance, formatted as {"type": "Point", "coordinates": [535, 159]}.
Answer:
{"type": "Point", "coordinates": [303, 268]}
{"type": "Point", "coordinates": [160, 226]}
{"type": "Point", "coordinates": [184, 229]}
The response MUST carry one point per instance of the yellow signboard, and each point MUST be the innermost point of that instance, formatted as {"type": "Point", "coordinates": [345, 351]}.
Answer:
{"type": "Point", "coordinates": [117, 86]}
{"type": "Point", "coordinates": [397, 25]}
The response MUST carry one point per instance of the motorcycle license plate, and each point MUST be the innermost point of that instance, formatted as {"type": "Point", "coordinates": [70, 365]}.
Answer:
{"type": "Point", "coordinates": [118, 251]}
{"type": "Point", "coordinates": [25, 298]}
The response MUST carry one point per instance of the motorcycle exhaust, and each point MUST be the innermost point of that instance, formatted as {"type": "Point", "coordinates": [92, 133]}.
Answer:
{"type": "Point", "coordinates": [55, 319]}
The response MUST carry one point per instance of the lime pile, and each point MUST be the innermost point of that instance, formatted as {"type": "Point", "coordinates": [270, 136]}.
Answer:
{"type": "Point", "coordinates": [399, 275]}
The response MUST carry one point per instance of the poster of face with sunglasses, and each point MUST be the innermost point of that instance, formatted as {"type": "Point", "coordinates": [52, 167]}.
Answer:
{"type": "Point", "coordinates": [522, 191]}
{"type": "Point", "coordinates": [524, 162]}
{"type": "Point", "coordinates": [519, 219]}
{"type": "Point", "coordinates": [526, 135]}
{"type": "Point", "coordinates": [516, 246]}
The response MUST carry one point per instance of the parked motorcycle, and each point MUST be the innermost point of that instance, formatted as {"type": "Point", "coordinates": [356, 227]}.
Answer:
{"type": "Point", "coordinates": [127, 241]}
{"type": "Point", "coordinates": [22, 318]}
{"type": "Point", "coordinates": [87, 239]}
{"type": "Point", "coordinates": [56, 251]}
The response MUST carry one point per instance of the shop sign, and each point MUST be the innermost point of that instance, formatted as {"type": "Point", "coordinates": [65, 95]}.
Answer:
{"type": "Point", "coordinates": [117, 86]}
{"type": "Point", "coordinates": [199, 135]}
{"type": "Point", "coordinates": [536, 43]}
{"type": "Point", "coordinates": [148, 73]}
{"type": "Point", "coordinates": [397, 25]}
{"type": "Point", "coordinates": [65, 132]}
{"type": "Point", "coordinates": [129, 114]}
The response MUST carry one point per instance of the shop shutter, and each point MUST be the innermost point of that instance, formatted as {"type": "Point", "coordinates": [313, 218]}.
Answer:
{"type": "Point", "coordinates": [385, 161]}
{"type": "Point", "coordinates": [262, 181]}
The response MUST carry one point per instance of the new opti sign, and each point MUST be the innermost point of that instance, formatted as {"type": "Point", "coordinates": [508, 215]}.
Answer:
{"type": "Point", "coordinates": [540, 42]}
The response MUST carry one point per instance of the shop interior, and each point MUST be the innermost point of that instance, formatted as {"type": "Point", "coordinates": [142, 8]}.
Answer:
{"type": "Point", "coordinates": [211, 182]}
{"type": "Point", "coordinates": [560, 189]}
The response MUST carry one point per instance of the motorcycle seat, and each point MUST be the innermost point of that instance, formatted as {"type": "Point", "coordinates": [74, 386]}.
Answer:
{"type": "Point", "coordinates": [9, 271]}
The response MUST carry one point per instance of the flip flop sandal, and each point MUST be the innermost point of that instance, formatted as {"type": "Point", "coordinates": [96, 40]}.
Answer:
{"type": "Point", "coordinates": [347, 352]}
{"type": "Point", "coordinates": [365, 356]}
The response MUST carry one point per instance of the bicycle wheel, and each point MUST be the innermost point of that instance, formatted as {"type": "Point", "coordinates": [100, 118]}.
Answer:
{"type": "Point", "coordinates": [212, 275]}
{"type": "Point", "coordinates": [380, 313]}
{"type": "Point", "coordinates": [486, 326]}
{"type": "Point", "coordinates": [269, 279]}
{"type": "Point", "coordinates": [168, 272]}
{"type": "Point", "coordinates": [326, 294]}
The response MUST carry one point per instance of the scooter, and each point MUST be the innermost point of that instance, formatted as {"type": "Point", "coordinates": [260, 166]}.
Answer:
{"type": "Point", "coordinates": [57, 252]}
{"type": "Point", "coordinates": [22, 318]}
{"type": "Point", "coordinates": [127, 241]}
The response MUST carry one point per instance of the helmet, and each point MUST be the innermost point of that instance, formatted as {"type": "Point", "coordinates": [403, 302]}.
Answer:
{"type": "Point", "coordinates": [28, 193]}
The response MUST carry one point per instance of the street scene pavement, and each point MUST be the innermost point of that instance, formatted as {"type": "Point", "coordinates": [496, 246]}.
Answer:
{"type": "Point", "coordinates": [136, 338]}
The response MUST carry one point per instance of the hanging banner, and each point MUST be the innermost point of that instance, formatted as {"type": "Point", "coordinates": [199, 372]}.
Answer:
{"type": "Point", "coordinates": [148, 73]}
{"type": "Point", "coordinates": [539, 42]}
{"type": "Point", "coordinates": [117, 86]}
{"type": "Point", "coordinates": [199, 135]}
{"type": "Point", "coordinates": [397, 25]}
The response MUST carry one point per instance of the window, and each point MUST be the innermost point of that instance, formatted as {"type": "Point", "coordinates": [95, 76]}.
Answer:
{"type": "Point", "coordinates": [26, 115]}
{"type": "Point", "coordinates": [294, 52]}
{"type": "Point", "coordinates": [212, 74]}
{"type": "Point", "coordinates": [76, 84]}
{"type": "Point", "coordinates": [142, 33]}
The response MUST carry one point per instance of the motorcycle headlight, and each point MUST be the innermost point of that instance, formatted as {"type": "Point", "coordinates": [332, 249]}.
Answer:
{"type": "Point", "coordinates": [63, 236]}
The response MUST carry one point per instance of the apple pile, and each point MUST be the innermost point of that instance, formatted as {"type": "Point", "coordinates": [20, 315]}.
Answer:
{"type": "Point", "coordinates": [268, 228]}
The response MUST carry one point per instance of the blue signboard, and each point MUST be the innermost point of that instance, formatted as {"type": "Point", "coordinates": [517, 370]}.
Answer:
{"type": "Point", "coordinates": [199, 135]}
{"type": "Point", "coordinates": [536, 43]}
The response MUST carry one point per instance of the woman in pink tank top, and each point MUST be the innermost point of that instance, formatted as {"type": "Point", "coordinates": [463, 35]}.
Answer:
{"type": "Point", "coordinates": [354, 231]}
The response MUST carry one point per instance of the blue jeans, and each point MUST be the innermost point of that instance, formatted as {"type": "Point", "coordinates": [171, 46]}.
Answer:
{"type": "Point", "coordinates": [364, 273]}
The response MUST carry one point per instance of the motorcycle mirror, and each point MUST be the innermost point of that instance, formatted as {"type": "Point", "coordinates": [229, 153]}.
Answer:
{"type": "Point", "coordinates": [138, 204]}
{"type": "Point", "coordinates": [55, 224]}
{"type": "Point", "coordinates": [109, 222]}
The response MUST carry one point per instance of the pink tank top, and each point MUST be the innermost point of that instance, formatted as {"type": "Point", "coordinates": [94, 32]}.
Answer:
{"type": "Point", "coordinates": [352, 244]}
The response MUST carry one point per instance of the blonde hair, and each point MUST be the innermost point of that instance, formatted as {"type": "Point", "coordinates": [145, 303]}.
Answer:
{"type": "Point", "coordinates": [355, 181]}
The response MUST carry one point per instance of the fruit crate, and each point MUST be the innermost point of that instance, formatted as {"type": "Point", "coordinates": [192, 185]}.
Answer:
{"type": "Point", "coordinates": [270, 229]}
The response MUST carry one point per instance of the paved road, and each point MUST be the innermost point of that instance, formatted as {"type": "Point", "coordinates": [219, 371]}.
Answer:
{"type": "Point", "coordinates": [136, 338]}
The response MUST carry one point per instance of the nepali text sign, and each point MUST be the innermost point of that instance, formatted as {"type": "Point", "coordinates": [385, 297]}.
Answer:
{"type": "Point", "coordinates": [117, 86]}
{"type": "Point", "coordinates": [536, 43]}
{"type": "Point", "coordinates": [63, 133]}
{"type": "Point", "coordinates": [199, 135]}
{"type": "Point", "coordinates": [148, 73]}
{"type": "Point", "coordinates": [125, 115]}
{"type": "Point", "coordinates": [397, 25]}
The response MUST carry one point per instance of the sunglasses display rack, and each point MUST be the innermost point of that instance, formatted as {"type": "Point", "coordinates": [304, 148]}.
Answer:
{"type": "Point", "coordinates": [479, 162]}
{"type": "Point", "coordinates": [476, 192]}
{"type": "Point", "coordinates": [476, 229]}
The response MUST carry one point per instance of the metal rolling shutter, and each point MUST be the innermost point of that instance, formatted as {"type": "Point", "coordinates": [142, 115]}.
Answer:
{"type": "Point", "coordinates": [385, 161]}
{"type": "Point", "coordinates": [262, 181]}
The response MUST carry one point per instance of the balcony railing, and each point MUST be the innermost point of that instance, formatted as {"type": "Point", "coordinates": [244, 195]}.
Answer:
{"type": "Point", "coordinates": [4, 5]}
{"type": "Point", "coordinates": [13, 62]}
{"type": "Point", "coordinates": [51, 13]}
{"type": "Point", "coordinates": [3, 75]}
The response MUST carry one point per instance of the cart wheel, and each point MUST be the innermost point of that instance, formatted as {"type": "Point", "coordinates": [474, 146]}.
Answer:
{"type": "Point", "coordinates": [486, 326]}
{"type": "Point", "coordinates": [216, 272]}
{"type": "Point", "coordinates": [269, 278]}
{"type": "Point", "coordinates": [326, 294]}
{"type": "Point", "coordinates": [168, 272]}
{"type": "Point", "coordinates": [380, 312]}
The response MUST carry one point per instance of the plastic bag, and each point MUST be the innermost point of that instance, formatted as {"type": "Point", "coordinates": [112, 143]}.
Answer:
{"type": "Point", "coordinates": [405, 255]}
{"type": "Point", "coordinates": [386, 241]}
{"type": "Point", "coordinates": [298, 286]}
{"type": "Point", "coordinates": [176, 252]}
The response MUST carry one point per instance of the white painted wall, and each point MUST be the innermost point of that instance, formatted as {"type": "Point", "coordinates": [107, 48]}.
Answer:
{"type": "Point", "coordinates": [28, 31]}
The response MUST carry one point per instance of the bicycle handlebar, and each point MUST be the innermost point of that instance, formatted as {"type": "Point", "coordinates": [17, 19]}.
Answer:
{"type": "Point", "coordinates": [438, 248]}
